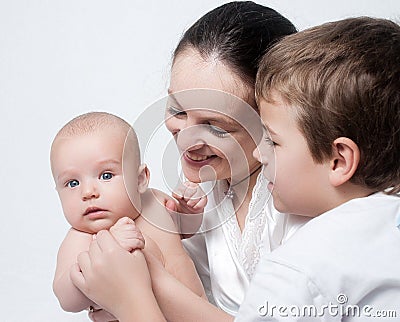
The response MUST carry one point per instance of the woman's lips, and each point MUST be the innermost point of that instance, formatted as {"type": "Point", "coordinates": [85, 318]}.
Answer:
{"type": "Point", "coordinates": [197, 159]}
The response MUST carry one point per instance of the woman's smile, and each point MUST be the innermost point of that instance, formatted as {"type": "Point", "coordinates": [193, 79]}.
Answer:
{"type": "Point", "coordinates": [197, 159]}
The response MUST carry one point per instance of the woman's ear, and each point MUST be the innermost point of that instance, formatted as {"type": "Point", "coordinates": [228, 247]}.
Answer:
{"type": "Point", "coordinates": [344, 162]}
{"type": "Point", "coordinates": [143, 178]}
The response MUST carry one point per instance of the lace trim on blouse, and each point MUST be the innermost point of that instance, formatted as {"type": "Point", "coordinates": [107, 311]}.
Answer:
{"type": "Point", "coordinates": [248, 244]}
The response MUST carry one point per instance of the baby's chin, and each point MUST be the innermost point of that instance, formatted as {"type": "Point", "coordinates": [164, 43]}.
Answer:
{"type": "Point", "coordinates": [94, 226]}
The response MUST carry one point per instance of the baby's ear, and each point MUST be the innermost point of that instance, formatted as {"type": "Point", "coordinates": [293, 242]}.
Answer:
{"type": "Point", "coordinates": [143, 178]}
{"type": "Point", "coordinates": [344, 162]}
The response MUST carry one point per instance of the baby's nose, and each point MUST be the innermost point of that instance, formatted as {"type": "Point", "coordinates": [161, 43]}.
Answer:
{"type": "Point", "coordinates": [90, 191]}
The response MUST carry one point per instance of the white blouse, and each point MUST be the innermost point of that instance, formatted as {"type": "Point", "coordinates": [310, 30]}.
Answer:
{"type": "Point", "coordinates": [344, 265]}
{"type": "Point", "coordinates": [225, 257]}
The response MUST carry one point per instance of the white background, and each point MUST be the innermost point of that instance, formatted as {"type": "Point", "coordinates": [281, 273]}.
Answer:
{"type": "Point", "coordinates": [59, 59]}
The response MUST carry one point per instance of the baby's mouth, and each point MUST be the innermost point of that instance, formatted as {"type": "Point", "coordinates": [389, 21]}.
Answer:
{"type": "Point", "coordinates": [91, 210]}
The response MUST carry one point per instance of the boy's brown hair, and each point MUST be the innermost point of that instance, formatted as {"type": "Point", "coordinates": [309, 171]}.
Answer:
{"type": "Point", "coordinates": [343, 80]}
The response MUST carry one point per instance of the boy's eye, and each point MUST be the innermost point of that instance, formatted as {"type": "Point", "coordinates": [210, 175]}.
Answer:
{"type": "Point", "coordinates": [106, 176]}
{"type": "Point", "coordinates": [269, 141]}
{"type": "Point", "coordinates": [267, 138]}
{"type": "Point", "coordinates": [217, 131]}
{"type": "Point", "coordinates": [72, 183]}
{"type": "Point", "coordinates": [175, 112]}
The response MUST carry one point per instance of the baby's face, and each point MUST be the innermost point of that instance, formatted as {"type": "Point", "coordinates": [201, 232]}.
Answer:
{"type": "Point", "coordinates": [88, 171]}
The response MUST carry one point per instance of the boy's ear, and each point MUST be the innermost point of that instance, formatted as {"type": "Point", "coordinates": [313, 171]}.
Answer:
{"type": "Point", "coordinates": [344, 163]}
{"type": "Point", "coordinates": [143, 178]}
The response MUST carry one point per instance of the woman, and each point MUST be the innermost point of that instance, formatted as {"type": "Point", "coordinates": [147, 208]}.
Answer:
{"type": "Point", "coordinates": [220, 52]}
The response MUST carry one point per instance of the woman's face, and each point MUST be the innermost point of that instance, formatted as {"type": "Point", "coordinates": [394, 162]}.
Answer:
{"type": "Point", "coordinates": [213, 126]}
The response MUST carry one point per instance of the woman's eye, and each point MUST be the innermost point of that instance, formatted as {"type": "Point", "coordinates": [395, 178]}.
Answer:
{"type": "Point", "coordinates": [72, 183]}
{"type": "Point", "coordinates": [175, 112]}
{"type": "Point", "coordinates": [106, 176]}
{"type": "Point", "coordinates": [217, 131]}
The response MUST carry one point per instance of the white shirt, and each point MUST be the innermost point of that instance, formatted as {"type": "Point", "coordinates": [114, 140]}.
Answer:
{"type": "Point", "coordinates": [348, 257]}
{"type": "Point", "coordinates": [225, 257]}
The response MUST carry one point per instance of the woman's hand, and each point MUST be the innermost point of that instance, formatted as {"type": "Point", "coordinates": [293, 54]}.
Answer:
{"type": "Point", "coordinates": [178, 302]}
{"type": "Point", "coordinates": [101, 316]}
{"type": "Point", "coordinates": [116, 280]}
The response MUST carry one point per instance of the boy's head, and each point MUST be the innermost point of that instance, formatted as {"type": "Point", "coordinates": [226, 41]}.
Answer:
{"type": "Point", "coordinates": [95, 161]}
{"type": "Point", "coordinates": [339, 85]}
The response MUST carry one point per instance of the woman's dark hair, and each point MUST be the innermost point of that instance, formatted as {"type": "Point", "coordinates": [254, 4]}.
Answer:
{"type": "Point", "coordinates": [238, 34]}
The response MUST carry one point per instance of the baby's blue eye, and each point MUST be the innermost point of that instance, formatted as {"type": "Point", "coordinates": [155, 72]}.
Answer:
{"type": "Point", "coordinates": [106, 176]}
{"type": "Point", "coordinates": [72, 183]}
{"type": "Point", "coordinates": [217, 131]}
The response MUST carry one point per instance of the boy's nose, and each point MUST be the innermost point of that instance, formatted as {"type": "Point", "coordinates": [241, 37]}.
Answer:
{"type": "Point", "coordinates": [257, 154]}
{"type": "Point", "coordinates": [263, 153]}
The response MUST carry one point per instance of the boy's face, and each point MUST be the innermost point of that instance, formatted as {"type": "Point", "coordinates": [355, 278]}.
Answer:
{"type": "Point", "coordinates": [88, 173]}
{"type": "Point", "coordinates": [298, 184]}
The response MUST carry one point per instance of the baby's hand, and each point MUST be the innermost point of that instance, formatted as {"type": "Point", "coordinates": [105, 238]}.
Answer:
{"type": "Point", "coordinates": [127, 234]}
{"type": "Point", "coordinates": [191, 198]}
{"type": "Point", "coordinates": [187, 213]}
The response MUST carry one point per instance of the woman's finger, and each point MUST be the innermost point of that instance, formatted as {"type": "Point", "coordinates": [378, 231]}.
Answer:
{"type": "Point", "coordinates": [83, 261]}
{"type": "Point", "coordinates": [94, 247]}
{"type": "Point", "coordinates": [77, 277]}
{"type": "Point", "coordinates": [101, 316]}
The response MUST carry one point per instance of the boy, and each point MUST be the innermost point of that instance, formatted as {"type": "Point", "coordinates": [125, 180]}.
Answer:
{"type": "Point", "coordinates": [330, 100]}
{"type": "Point", "coordinates": [95, 162]}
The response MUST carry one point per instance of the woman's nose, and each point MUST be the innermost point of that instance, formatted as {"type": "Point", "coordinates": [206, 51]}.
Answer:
{"type": "Point", "coordinates": [90, 191]}
{"type": "Point", "coordinates": [191, 137]}
{"type": "Point", "coordinates": [175, 124]}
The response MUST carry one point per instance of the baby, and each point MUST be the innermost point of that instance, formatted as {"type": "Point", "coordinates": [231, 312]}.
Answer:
{"type": "Point", "coordinates": [95, 162]}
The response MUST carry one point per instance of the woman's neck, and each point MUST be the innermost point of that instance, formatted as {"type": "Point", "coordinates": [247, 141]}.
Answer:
{"type": "Point", "coordinates": [242, 194]}
{"type": "Point", "coordinates": [239, 188]}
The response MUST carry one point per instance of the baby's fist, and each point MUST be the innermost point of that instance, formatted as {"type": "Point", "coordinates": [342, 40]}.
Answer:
{"type": "Point", "coordinates": [127, 234]}
{"type": "Point", "coordinates": [191, 198]}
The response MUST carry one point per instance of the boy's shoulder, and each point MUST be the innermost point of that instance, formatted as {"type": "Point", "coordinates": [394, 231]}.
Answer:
{"type": "Point", "coordinates": [352, 221]}
{"type": "Point", "coordinates": [331, 248]}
